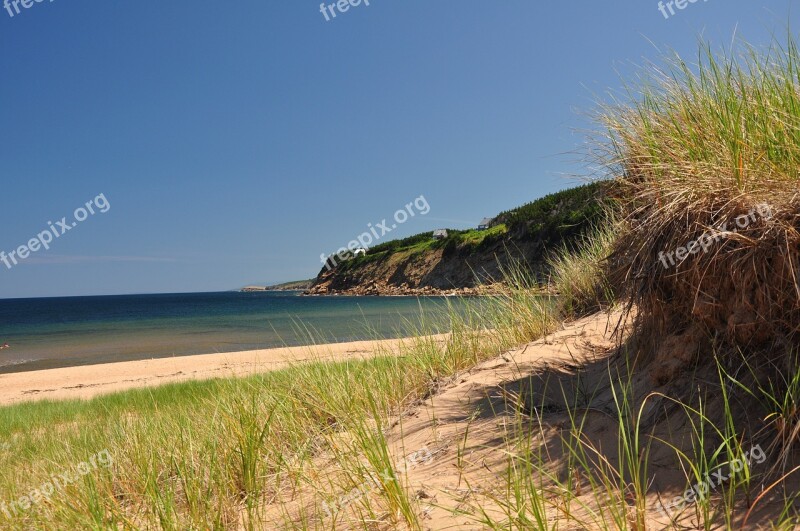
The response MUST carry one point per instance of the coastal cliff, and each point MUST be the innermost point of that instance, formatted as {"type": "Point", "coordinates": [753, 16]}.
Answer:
{"type": "Point", "coordinates": [469, 262]}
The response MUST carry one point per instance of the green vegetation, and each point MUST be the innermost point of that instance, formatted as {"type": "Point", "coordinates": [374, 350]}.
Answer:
{"type": "Point", "coordinates": [579, 277]}
{"type": "Point", "coordinates": [557, 220]}
{"type": "Point", "coordinates": [609, 488]}
{"type": "Point", "coordinates": [277, 450]}
{"type": "Point", "coordinates": [705, 143]}
{"type": "Point", "coordinates": [700, 146]}
{"type": "Point", "coordinates": [418, 243]}
{"type": "Point", "coordinates": [403, 243]}
{"type": "Point", "coordinates": [468, 241]}
{"type": "Point", "coordinates": [557, 217]}
{"type": "Point", "coordinates": [728, 125]}
{"type": "Point", "coordinates": [227, 453]}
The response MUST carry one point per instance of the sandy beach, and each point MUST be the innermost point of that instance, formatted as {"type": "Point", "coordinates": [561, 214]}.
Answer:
{"type": "Point", "coordinates": [87, 381]}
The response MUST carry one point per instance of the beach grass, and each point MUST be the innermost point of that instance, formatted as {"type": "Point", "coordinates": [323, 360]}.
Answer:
{"type": "Point", "coordinates": [694, 147]}
{"type": "Point", "coordinates": [566, 479]}
{"type": "Point", "coordinates": [579, 276]}
{"type": "Point", "coordinates": [306, 447]}
{"type": "Point", "coordinates": [706, 155]}
{"type": "Point", "coordinates": [224, 453]}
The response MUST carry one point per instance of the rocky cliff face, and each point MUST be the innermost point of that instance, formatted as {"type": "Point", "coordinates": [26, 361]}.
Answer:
{"type": "Point", "coordinates": [440, 271]}
{"type": "Point", "coordinates": [459, 265]}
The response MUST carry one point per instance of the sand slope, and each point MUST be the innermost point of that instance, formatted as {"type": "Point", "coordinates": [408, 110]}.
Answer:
{"type": "Point", "coordinates": [466, 431]}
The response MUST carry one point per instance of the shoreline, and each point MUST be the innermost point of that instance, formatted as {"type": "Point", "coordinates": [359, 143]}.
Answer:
{"type": "Point", "coordinates": [88, 381]}
{"type": "Point", "coordinates": [383, 289]}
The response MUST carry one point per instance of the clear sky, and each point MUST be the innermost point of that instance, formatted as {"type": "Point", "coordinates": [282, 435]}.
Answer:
{"type": "Point", "coordinates": [237, 141]}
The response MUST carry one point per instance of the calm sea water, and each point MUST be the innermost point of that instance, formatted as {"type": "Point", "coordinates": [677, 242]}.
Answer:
{"type": "Point", "coordinates": [60, 332]}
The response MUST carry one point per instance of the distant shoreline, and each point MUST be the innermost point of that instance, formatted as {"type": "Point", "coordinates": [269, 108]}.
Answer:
{"type": "Point", "coordinates": [295, 285]}
{"type": "Point", "coordinates": [385, 290]}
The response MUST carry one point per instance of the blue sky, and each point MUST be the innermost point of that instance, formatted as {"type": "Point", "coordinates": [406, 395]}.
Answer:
{"type": "Point", "coordinates": [236, 141]}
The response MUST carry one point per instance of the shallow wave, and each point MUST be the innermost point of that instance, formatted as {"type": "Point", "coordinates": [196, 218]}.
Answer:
{"type": "Point", "coordinates": [11, 363]}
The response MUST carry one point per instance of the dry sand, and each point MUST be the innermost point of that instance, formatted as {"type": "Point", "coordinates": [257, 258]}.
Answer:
{"type": "Point", "coordinates": [467, 427]}
{"type": "Point", "coordinates": [463, 429]}
{"type": "Point", "coordinates": [91, 380]}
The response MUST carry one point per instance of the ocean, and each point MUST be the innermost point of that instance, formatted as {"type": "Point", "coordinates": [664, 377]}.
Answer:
{"type": "Point", "coordinates": [61, 332]}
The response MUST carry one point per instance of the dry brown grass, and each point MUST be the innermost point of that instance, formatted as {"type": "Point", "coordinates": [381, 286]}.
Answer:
{"type": "Point", "coordinates": [697, 147]}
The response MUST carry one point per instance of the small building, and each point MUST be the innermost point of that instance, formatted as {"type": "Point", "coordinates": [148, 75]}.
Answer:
{"type": "Point", "coordinates": [440, 234]}
{"type": "Point", "coordinates": [485, 224]}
